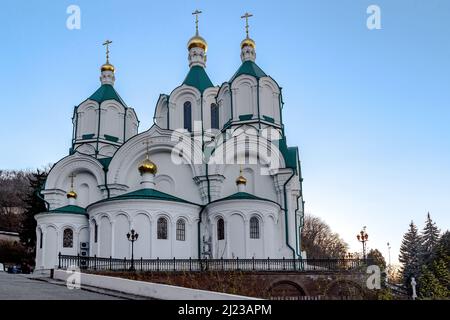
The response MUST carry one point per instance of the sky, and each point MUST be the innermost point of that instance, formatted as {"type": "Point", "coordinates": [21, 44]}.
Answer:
{"type": "Point", "coordinates": [368, 109]}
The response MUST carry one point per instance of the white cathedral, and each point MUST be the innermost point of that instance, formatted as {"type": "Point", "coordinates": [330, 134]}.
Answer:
{"type": "Point", "coordinates": [204, 181]}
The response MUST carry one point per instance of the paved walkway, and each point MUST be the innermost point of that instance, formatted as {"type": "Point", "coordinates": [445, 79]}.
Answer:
{"type": "Point", "coordinates": [19, 287]}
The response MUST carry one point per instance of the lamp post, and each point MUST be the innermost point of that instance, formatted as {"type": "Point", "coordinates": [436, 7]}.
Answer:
{"type": "Point", "coordinates": [132, 236]}
{"type": "Point", "coordinates": [389, 253]}
{"type": "Point", "coordinates": [363, 237]}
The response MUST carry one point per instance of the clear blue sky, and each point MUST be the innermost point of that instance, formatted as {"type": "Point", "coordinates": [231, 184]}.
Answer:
{"type": "Point", "coordinates": [369, 110]}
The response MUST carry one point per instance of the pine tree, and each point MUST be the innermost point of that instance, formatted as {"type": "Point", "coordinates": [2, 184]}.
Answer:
{"type": "Point", "coordinates": [441, 263]}
{"type": "Point", "coordinates": [411, 254]}
{"type": "Point", "coordinates": [33, 205]}
{"type": "Point", "coordinates": [442, 272]}
{"type": "Point", "coordinates": [429, 286]}
{"type": "Point", "coordinates": [442, 250]}
{"type": "Point", "coordinates": [430, 235]}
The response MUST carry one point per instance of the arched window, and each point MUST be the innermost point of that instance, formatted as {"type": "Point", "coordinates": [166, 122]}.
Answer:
{"type": "Point", "coordinates": [254, 228]}
{"type": "Point", "coordinates": [181, 230]}
{"type": "Point", "coordinates": [214, 116]}
{"type": "Point", "coordinates": [67, 238]}
{"type": "Point", "coordinates": [220, 229]}
{"type": "Point", "coordinates": [41, 238]}
{"type": "Point", "coordinates": [187, 111]}
{"type": "Point", "coordinates": [95, 232]}
{"type": "Point", "coordinates": [162, 228]}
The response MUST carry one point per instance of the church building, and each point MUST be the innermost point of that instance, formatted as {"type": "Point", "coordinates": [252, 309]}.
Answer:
{"type": "Point", "coordinates": [213, 177]}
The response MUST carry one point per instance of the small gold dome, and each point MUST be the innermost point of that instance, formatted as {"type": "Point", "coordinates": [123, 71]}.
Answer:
{"type": "Point", "coordinates": [248, 42]}
{"type": "Point", "coordinates": [147, 167]}
{"type": "Point", "coordinates": [241, 180]}
{"type": "Point", "coordinates": [107, 67]}
{"type": "Point", "coordinates": [197, 42]}
{"type": "Point", "coordinates": [71, 195]}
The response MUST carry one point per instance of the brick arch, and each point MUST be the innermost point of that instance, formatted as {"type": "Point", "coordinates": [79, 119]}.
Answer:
{"type": "Point", "coordinates": [286, 288]}
{"type": "Point", "coordinates": [345, 289]}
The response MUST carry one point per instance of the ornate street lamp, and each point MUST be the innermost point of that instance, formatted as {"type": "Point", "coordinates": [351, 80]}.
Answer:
{"type": "Point", "coordinates": [389, 253]}
{"type": "Point", "coordinates": [363, 237]}
{"type": "Point", "coordinates": [133, 236]}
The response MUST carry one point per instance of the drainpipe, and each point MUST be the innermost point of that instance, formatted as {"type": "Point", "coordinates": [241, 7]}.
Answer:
{"type": "Point", "coordinates": [125, 125]}
{"type": "Point", "coordinates": [105, 170]}
{"type": "Point", "coordinates": [303, 207]}
{"type": "Point", "coordinates": [207, 181]}
{"type": "Point", "coordinates": [231, 103]}
{"type": "Point", "coordinates": [286, 216]}
{"type": "Point", "coordinates": [98, 131]}
{"type": "Point", "coordinates": [257, 103]}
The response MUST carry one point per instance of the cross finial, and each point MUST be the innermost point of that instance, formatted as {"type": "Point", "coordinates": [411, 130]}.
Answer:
{"type": "Point", "coordinates": [107, 43]}
{"type": "Point", "coordinates": [196, 13]}
{"type": "Point", "coordinates": [246, 16]}
{"type": "Point", "coordinates": [72, 176]}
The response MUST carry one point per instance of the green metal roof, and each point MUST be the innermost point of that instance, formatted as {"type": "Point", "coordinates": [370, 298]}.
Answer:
{"type": "Point", "coordinates": [69, 209]}
{"type": "Point", "coordinates": [244, 196]}
{"type": "Point", "coordinates": [106, 92]}
{"type": "Point", "coordinates": [105, 162]}
{"type": "Point", "coordinates": [250, 68]}
{"type": "Point", "coordinates": [198, 78]}
{"type": "Point", "coordinates": [147, 194]}
{"type": "Point", "coordinates": [289, 154]}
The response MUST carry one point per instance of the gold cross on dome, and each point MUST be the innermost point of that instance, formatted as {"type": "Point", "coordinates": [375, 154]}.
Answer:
{"type": "Point", "coordinates": [196, 12]}
{"type": "Point", "coordinates": [72, 176]}
{"type": "Point", "coordinates": [107, 43]}
{"type": "Point", "coordinates": [246, 16]}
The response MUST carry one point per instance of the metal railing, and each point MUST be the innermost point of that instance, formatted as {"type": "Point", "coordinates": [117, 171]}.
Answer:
{"type": "Point", "coordinates": [197, 265]}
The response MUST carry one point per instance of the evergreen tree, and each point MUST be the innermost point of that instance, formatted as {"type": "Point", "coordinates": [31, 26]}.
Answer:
{"type": "Point", "coordinates": [33, 205]}
{"type": "Point", "coordinates": [430, 236]}
{"type": "Point", "coordinates": [411, 253]}
{"type": "Point", "coordinates": [441, 270]}
{"type": "Point", "coordinates": [442, 250]}
{"type": "Point", "coordinates": [441, 263]}
{"type": "Point", "coordinates": [429, 286]}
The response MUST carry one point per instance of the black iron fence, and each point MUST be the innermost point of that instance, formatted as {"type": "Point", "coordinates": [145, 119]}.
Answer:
{"type": "Point", "coordinates": [156, 265]}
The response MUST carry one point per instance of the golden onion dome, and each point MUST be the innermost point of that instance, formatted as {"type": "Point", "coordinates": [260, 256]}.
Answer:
{"type": "Point", "coordinates": [241, 180]}
{"type": "Point", "coordinates": [107, 67]}
{"type": "Point", "coordinates": [248, 42]}
{"type": "Point", "coordinates": [71, 195]}
{"type": "Point", "coordinates": [147, 167]}
{"type": "Point", "coordinates": [197, 42]}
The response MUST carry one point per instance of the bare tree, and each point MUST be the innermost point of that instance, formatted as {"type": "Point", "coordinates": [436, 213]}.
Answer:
{"type": "Point", "coordinates": [13, 185]}
{"type": "Point", "coordinates": [319, 241]}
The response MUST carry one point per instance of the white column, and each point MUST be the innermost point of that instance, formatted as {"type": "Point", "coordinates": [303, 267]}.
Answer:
{"type": "Point", "coordinates": [113, 249]}
{"type": "Point", "coordinates": [246, 238]}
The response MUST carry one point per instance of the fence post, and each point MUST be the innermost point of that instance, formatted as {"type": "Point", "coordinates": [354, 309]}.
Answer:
{"type": "Point", "coordinates": [253, 262]}
{"type": "Point", "coordinates": [190, 263]}
{"type": "Point", "coordinates": [268, 263]}
{"type": "Point", "coordinates": [110, 263]}
{"type": "Point", "coordinates": [124, 263]}
{"type": "Point", "coordinates": [59, 260]}
{"type": "Point", "coordinates": [237, 263]}
{"type": "Point", "coordinates": [223, 266]}
{"type": "Point", "coordinates": [174, 262]}
{"type": "Point", "coordinates": [141, 264]}
{"type": "Point", "coordinates": [95, 262]}
{"type": "Point", "coordinates": [157, 264]}
{"type": "Point", "coordinates": [284, 264]}
{"type": "Point", "coordinates": [78, 260]}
